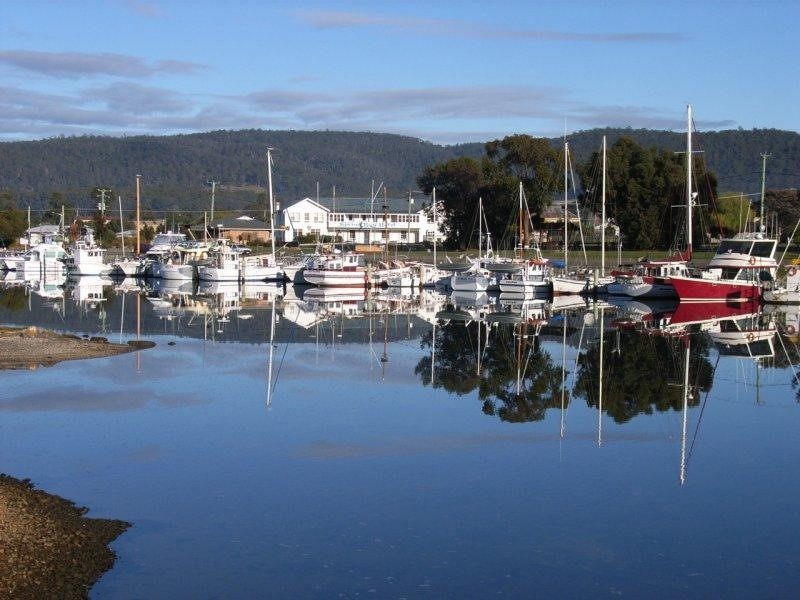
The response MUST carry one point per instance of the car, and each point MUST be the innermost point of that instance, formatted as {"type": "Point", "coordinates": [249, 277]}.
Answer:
{"type": "Point", "coordinates": [241, 249]}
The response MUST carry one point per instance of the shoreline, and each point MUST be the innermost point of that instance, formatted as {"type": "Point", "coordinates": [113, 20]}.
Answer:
{"type": "Point", "coordinates": [48, 547]}
{"type": "Point", "coordinates": [31, 347]}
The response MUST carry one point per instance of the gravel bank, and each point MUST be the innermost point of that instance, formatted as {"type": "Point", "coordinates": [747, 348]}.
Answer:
{"type": "Point", "coordinates": [48, 548]}
{"type": "Point", "coordinates": [31, 347]}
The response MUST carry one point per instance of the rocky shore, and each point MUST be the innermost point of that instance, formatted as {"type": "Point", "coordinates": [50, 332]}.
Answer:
{"type": "Point", "coordinates": [31, 347]}
{"type": "Point", "coordinates": [48, 548]}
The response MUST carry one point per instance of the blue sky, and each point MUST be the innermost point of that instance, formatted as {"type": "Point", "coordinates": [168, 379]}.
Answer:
{"type": "Point", "coordinates": [439, 70]}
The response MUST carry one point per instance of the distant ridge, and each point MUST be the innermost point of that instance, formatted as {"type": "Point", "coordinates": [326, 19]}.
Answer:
{"type": "Point", "coordinates": [175, 168]}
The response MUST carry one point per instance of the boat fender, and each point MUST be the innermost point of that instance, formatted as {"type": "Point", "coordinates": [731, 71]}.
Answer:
{"type": "Point", "coordinates": [752, 260]}
{"type": "Point", "coordinates": [790, 330]}
{"type": "Point", "coordinates": [750, 337]}
{"type": "Point", "coordinates": [792, 271]}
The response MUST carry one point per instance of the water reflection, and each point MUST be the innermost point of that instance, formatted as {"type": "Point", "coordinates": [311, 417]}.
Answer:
{"type": "Point", "coordinates": [625, 358]}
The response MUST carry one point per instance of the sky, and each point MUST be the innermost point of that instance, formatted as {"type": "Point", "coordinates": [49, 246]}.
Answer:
{"type": "Point", "coordinates": [444, 71]}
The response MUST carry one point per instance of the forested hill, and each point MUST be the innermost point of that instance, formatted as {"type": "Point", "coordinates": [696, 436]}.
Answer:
{"type": "Point", "coordinates": [175, 169]}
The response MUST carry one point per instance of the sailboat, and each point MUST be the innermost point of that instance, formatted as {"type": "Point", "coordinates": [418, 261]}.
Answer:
{"type": "Point", "coordinates": [524, 277]}
{"type": "Point", "coordinates": [476, 278]}
{"type": "Point", "coordinates": [568, 283]}
{"type": "Point", "coordinates": [651, 279]}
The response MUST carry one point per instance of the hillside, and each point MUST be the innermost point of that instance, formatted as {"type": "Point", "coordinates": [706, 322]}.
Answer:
{"type": "Point", "coordinates": [175, 169]}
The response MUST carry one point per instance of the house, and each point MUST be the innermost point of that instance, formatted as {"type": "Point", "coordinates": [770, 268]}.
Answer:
{"type": "Point", "coordinates": [359, 220]}
{"type": "Point", "coordinates": [40, 234]}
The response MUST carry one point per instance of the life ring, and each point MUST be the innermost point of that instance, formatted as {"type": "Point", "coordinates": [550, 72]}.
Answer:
{"type": "Point", "coordinates": [752, 260]}
{"type": "Point", "coordinates": [790, 330]}
{"type": "Point", "coordinates": [750, 337]}
{"type": "Point", "coordinates": [791, 271]}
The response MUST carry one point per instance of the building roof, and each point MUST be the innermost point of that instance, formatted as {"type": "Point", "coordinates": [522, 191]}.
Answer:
{"type": "Point", "coordinates": [242, 223]}
{"type": "Point", "coordinates": [44, 229]}
{"type": "Point", "coordinates": [364, 205]}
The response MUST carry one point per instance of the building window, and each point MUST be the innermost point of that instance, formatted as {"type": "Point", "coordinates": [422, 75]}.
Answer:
{"type": "Point", "coordinates": [404, 235]}
{"type": "Point", "coordinates": [307, 217]}
{"type": "Point", "coordinates": [352, 235]}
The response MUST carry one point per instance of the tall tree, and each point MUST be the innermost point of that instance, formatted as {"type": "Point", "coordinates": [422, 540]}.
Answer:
{"type": "Point", "coordinates": [13, 221]}
{"type": "Point", "coordinates": [458, 184]}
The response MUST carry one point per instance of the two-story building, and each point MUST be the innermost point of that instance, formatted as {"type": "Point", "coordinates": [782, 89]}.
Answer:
{"type": "Point", "coordinates": [360, 220]}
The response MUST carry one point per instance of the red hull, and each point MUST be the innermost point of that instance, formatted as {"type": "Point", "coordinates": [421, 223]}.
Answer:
{"type": "Point", "coordinates": [692, 289]}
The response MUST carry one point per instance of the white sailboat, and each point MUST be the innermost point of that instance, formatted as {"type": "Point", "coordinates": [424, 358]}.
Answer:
{"type": "Point", "coordinates": [526, 277]}
{"type": "Point", "coordinates": [568, 283]}
{"type": "Point", "coordinates": [476, 278]}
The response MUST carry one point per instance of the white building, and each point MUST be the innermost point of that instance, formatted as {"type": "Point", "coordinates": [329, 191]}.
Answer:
{"type": "Point", "coordinates": [40, 234]}
{"type": "Point", "coordinates": [360, 221]}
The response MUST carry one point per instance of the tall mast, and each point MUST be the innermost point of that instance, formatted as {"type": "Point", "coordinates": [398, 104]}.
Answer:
{"type": "Point", "coordinates": [138, 217]}
{"type": "Point", "coordinates": [566, 221]}
{"type": "Point", "coordinates": [603, 217]}
{"type": "Point", "coordinates": [435, 229]}
{"type": "Point", "coordinates": [686, 353]}
{"type": "Point", "coordinates": [121, 228]}
{"type": "Point", "coordinates": [521, 230]}
{"type": "Point", "coordinates": [271, 201]}
{"type": "Point", "coordinates": [761, 225]}
{"type": "Point", "coordinates": [480, 226]}
{"type": "Point", "coordinates": [689, 181]}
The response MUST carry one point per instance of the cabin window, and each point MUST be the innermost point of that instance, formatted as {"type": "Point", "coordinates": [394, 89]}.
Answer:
{"type": "Point", "coordinates": [733, 247]}
{"type": "Point", "coordinates": [763, 249]}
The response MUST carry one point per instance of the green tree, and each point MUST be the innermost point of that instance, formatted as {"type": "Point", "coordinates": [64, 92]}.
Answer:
{"type": "Point", "coordinates": [458, 184]}
{"type": "Point", "coordinates": [13, 221]}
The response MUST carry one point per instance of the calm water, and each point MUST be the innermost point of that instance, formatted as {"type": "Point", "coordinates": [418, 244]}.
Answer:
{"type": "Point", "coordinates": [381, 464]}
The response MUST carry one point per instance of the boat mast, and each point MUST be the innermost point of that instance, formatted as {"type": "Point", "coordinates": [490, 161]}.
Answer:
{"type": "Point", "coordinates": [138, 223]}
{"type": "Point", "coordinates": [480, 227]}
{"type": "Point", "coordinates": [271, 201]}
{"type": "Point", "coordinates": [689, 181]}
{"type": "Point", "coordinates": [686, 350]}
{"type": "Point", "coordinates": [521, 227]}
{"type": "Point", "coordinates": [435, 229]}
{"type": "Point", "coordinates": [761, 225]}
{"type": "Point", "coordinates": [121, 228]}
{"type": "Point", "coordinates": [603, 217]}
{"type": "Point", "coordinates": [566, 221]}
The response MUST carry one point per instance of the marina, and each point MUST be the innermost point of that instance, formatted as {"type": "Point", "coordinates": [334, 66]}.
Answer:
{"type": "Point", "coordinates": [236, 472]}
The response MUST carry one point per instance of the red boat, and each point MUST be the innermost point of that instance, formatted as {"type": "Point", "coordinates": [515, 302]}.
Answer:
{"type": "Point", "coordinates": [734, 274]}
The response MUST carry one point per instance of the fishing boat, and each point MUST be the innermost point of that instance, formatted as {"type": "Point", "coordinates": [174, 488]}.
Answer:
{"type": "Point", "coordinates": [734, 274]}
{"type": "Point", "coordinates": [86, 258]}
{"type": "Point", "coordinates": [180, 264]}
{"type": "Point", "coordinates": [47, 257]}
{"type": "Point", "coordinates": [339, 269]}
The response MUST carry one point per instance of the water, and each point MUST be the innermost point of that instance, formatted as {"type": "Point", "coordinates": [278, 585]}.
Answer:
{"type": "Point", "coordinates": [356, 475]}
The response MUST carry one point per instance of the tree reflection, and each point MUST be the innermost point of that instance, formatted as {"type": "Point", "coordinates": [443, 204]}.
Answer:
{"type": "Point", "coordinates": [642, 373]}
{"type": "Point", "coordinates": [516, 380]}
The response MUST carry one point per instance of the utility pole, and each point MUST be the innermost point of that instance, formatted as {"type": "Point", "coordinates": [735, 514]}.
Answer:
{"type": "Point", "coordinates": [764, 157]}
{"type": "Point", "coordinates": [102, 204]}
{"type": "Point", "coordinates": [213, 189]}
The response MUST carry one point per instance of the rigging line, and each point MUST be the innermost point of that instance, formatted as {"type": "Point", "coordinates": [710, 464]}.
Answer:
{"type": "Point", "coordinates": [700, 418]}
{"type": "Point", "coordinates": [788, 359]}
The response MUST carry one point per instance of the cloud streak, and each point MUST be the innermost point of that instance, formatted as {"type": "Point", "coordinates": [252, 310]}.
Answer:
{"type": "Point", "coordinates": [457, 28]}
{"type": "Point", "coordinates": [434, 113]}
{"type": "Point", "coordinates": [82, 64]}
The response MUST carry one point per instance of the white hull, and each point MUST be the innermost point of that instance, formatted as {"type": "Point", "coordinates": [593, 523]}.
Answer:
{"type": "Point", "coordinates": [782, 296]}
{"type": "Point", "coordinates": [89, 269]}
{"type": "Point", "coordinates": [207, 273]}
{"type": "Point", "coordinates": [128, 268]}
{"type": "Point", "coordinates": [568, 285]}
{"type": "Point", "coordinates": [174, 272]}
{"type": "Point", "coordinates": [261, 273]}
{"type": "Point", "coordinates": [469, 282]}
{"type": "Point", "coordinates": [328, 277]}
{"type": "Point", "coordinates": [648, 290]}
